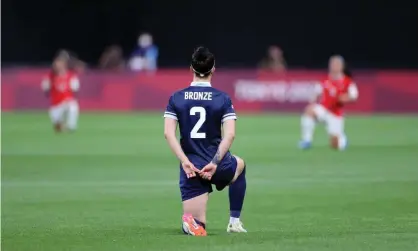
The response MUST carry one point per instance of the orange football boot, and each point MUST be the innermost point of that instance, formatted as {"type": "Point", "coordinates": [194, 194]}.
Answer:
{"type": "Point", "coordinates": [191, 227]}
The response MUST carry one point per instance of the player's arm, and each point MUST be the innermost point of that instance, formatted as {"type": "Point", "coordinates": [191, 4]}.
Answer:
{"type": "Point", "coordinates": [170, 127]}
{"type": "Point", "coordinates": [227, 140]}
{"type": "Point", "coordinates": [46, 86]}
{"type": "Point", "coordinates": [228, 124]}
{"type": "Point", "coordinates": [351, 95]}
{"type": "Point", "coordinates": [74, 84]}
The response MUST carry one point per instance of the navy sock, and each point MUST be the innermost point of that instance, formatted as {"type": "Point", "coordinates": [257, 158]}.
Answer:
{"type": "Point", "coordinates": [237, 195]}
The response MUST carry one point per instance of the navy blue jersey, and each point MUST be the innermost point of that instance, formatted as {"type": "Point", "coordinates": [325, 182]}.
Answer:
{"type": "Point", "coordinates": [200, 111]}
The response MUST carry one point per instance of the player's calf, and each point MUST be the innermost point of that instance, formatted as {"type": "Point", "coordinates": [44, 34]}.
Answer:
{"type": "Point", "coordinates": [237, 191]}
{"type": "Point", "coordinates": [194, 215]}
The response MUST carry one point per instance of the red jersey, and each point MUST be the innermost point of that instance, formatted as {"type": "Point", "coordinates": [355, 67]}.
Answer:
{"type": "Point", "coordinates": [331, 89]}
{"type": "Point", "coordinates": [61, 87]}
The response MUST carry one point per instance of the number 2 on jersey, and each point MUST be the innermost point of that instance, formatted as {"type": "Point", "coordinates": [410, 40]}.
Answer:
{"type": "Point", "coordinates": [194, 134]}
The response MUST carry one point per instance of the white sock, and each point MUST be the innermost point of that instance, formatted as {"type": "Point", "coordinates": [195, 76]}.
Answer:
{"type": "Point", "coordinates": [233, 220]}
{"type": "Point", "coordinates": [342, 142]}
{"type": "Point", "coordinates": [307, 124]}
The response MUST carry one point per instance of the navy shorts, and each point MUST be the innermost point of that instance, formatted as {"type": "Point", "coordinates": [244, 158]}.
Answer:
{"type": "Point", "coordinates": [196, 186]}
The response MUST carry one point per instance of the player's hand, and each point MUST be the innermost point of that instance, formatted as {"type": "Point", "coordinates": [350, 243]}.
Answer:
{"type": "Point", "coordinates": [189, 169]}
{"type": "Point", "coordinates": [208, 171]}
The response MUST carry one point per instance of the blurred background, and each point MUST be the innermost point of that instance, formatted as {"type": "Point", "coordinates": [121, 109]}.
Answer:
{"type": "Point", "coordinates": [239, 32]}
{"type": "Point", "coordinates": [143, 36]}
{"type": "Point", "coordinates": [109, 185]}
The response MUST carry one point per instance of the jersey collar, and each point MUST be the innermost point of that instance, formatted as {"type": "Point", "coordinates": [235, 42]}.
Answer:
{"type": "Point", "coordinates": [201, 84]}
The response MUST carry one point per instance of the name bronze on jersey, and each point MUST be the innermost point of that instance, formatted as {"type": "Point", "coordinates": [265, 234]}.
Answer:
{"type": "Point", "coordinates": [198, 95]}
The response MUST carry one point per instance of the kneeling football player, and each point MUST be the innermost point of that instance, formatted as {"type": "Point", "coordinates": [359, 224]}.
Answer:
{"type": "Point", "coordinates": [333, 93]}
{"type": "Point", "coordinates": [60, 85]}
{"type": "Point", "coordinates": [201, 111]}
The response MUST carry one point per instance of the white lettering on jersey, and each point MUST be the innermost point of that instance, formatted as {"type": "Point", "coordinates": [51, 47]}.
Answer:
{"type": "Point", "coordinates": [198, 95]}
{"type": "Point", "coordinates": [194, 134]}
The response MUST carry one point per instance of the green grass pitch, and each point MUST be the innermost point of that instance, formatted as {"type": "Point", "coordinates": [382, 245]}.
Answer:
{"type": "Point", "coordinates": [112, 186]}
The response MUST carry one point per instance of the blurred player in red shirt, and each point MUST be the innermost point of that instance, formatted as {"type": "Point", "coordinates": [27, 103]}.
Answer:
{"type": "Point", "coordinates": [327, 106]}
{"type": "Point", "coordinates": [60, 85]}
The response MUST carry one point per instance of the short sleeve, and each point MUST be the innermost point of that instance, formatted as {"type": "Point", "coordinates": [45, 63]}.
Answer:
{"type": "Point", "coordinates": [229, 111]}
{"type": "Point", "coordinates": [318, 89]}
{"type": "Point", "coordinates": [170, 111]}
{"type": "Point", "coordinates": [352, 90]}
{"type": "Point", "coordinates": [46, 84]}
{"type": "Point", "coordinates": [75, 84]}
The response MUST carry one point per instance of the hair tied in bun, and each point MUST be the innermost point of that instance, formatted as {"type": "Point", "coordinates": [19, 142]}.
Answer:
{"type": "Point", "coordinates": [203, 62]}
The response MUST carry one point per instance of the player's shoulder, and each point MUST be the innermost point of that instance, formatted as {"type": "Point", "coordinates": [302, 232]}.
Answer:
{"type": "Point", "coordinates": [348, 79]}
{"type": "Point", "coordinates": [178, 95]}
{"type": "Point", "coordinates": [221, 92]}
{"type": "Point", "coordinates": [178, 92]}
{"type": "Point", "coordinates": [325, 82]}
{"type": "Point", "coordinates": [221, 95]}
{"type": "Point", "coordinates": [218, 93]}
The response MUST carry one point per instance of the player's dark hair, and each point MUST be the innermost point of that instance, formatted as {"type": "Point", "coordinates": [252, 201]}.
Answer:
{"type": "Point", "coordinates": [347, 71]}
{"type": "Point", "coordinates": [203, 62]}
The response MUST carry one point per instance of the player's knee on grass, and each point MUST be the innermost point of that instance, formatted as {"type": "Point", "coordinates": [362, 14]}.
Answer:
{"type": "Point", "coordinates": [56, 115]}
{"type": "Point", "coordinates": [335, 128]}
{"type": "Point", "coordinates": [334, 142]}
{"type": "Point", "coordinates": [338, 142]}
{"type": "Point", "coordinates": [196, 207]}
{"type": "Point", "coordinates": [57, 127]}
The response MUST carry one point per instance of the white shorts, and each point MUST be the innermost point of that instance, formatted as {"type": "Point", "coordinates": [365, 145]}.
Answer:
{"type": "Point", "coordinates": [66, 111]}
{"type": "Point", "coordinates": [334, 123]}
